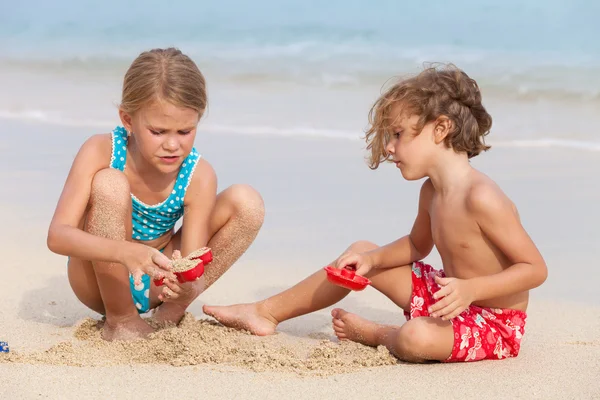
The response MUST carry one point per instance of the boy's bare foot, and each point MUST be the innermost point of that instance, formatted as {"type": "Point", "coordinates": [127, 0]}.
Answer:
{"type": "Point", "coordinates": [129, 328]}
{"type": "Point", "coordinates": [250, 317]}
{"type": "Point", "coordinates": [352, 327]}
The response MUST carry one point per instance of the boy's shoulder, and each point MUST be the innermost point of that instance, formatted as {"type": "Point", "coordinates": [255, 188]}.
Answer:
{"type": "Point", "coordinates": [485, 196]}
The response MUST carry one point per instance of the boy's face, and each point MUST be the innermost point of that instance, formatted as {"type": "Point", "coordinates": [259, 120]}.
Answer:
{"type": "Point", "coordinates": [410, 150]}
{"type": "Point", "coordinates": [164, 133]}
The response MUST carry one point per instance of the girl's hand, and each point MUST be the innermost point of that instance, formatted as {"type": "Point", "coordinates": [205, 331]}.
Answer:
{"type": "Point", "coordinates": [361, 262]}
{"type": "Point", "coordinates": [181, 293]}
{"type": "Point", "coordinates": [456, 296]}
{"type": "Point", "coordinates": [141, 259]}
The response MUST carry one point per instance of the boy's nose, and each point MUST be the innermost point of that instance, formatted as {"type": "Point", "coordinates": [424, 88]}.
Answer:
{"type": "Point", "coordinates": [389, 148]}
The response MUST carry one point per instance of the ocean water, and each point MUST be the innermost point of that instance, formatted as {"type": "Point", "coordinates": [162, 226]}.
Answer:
{"type": "Point", "coordinates": [310, 67]}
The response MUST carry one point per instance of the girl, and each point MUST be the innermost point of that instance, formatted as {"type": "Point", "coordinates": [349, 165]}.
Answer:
{"type": "Point", "coordinates": [126, 190]}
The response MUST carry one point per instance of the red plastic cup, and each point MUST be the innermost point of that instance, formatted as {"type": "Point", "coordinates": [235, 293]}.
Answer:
{"type": "Point", "coordinates": [206, 258]}
{"type": "Point", "coordinates": [193, 273]}
{"type": "Point", "coordinates": [346, 278]}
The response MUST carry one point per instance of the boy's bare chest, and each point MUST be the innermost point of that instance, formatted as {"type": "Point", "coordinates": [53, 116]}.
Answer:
{"type": "Point", "coordinates": [452, 228]}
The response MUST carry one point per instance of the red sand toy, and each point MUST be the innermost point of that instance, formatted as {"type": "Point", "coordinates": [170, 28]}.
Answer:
{"type": "Point", "coordinates": [193, 273]}
{"type": "Point", "coordinates": [346, 278]}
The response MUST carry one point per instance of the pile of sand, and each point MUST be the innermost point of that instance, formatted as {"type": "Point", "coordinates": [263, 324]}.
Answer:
{"type": "Point", "coordinates": [196, 342]}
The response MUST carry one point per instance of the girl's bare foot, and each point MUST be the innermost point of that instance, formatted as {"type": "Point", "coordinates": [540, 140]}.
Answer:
{"type": "Point", "coordinates": [129, 328]}
{"type": "Point", "coordinates": [172, 310]}
{"type": "Point", "coordinates": [169, 313]}
{"type": "Point", "coordinates": [251, 317]}
{"type": "Point", "coordinates": [352, 327]}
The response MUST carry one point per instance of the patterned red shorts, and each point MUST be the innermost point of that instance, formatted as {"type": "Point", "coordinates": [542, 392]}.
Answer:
{"type": "Point", "coordinates": [479, 333]}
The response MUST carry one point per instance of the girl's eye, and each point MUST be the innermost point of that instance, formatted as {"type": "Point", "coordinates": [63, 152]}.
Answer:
{"type": "Point", "coordinates": [396, 135]}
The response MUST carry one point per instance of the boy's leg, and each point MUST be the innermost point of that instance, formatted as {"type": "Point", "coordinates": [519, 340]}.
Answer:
{"type": "Point", "coordinates": [236, 219]}
{"type": "Point", "coordinates": [312, 294]}
{"type": "Point", "coordinates": [104, 287]}
{"type": "Point", "coordinates": [418, 340]}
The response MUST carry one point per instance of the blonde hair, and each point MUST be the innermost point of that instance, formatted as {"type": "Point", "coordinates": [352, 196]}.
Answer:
{"type": "Point", "coordinates": [434, 92]}
{"type": "Point", "coordinates": [163, 74]}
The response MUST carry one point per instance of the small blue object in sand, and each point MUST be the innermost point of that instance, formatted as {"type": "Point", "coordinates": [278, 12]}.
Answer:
{"type": "Point", "coordinates": [3, 347]}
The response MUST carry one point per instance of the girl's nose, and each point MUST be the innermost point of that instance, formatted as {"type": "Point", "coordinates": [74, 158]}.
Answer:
{"type": "Point", "coordinates": [171, 144]}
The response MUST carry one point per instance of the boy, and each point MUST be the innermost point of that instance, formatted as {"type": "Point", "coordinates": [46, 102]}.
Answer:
{"type": "Point", "coordinates": [429, 126]}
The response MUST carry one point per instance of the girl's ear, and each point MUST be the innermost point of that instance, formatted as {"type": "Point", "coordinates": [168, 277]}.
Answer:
{"type": "Point", "coordinates": [126, 120]}
{"type": "Point", "coordinates": [443, 127]}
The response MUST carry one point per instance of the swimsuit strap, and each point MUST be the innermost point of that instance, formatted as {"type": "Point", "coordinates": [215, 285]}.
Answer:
{"type": "Point", "coordinates": [118, 156]}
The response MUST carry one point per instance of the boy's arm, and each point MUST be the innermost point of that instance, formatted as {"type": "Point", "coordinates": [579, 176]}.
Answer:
{"type": "Point", "coordinates": [200, 200]}
{"type": "Point", "coordinates": [499, 221]}
{"type": "Point", "coordinates": [414, 246]}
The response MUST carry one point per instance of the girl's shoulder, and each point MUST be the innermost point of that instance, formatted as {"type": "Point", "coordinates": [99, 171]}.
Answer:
{"type": "Point", "coordinates": [97, 150]}
{"type": "Point", "coordinates": [203, 181]}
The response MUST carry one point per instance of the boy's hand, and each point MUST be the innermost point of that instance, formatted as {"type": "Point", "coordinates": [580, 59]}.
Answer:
{"type": "Point", "coordinates": [360, 262]}
{"type": "Point", "coordinates": [456, 296]}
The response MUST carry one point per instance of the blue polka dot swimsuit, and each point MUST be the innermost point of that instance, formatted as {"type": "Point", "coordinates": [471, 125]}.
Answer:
{"type": "Point", "coordinates": [152, 221]}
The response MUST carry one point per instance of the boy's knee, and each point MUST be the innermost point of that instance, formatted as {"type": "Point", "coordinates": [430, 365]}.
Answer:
{"type": "Point", "coordinates": [362, 246]}
{"type": "Point", "coordinates": [415, 338]}
{"type": "Point", "coordinates": [110, 186]}
{"type": "Point", "coordinates": [247, 201]}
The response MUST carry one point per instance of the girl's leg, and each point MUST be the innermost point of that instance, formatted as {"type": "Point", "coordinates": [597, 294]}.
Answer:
{"type": "Point", "coordinates": [312, 294]}
{"type": "Point", "coordinates": [104, 287]}
{"type": "Point", "coordinates": [237, 217]}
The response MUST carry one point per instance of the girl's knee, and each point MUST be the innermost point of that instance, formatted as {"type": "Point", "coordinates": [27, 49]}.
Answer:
{"type": "Point", "coordinates": [246, 201]}
{"type": "Point", "coordinates": [110, 185]}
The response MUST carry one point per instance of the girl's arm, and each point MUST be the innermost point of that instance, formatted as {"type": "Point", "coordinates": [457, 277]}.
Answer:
{"type": "Point", "coordinates": [199, 203]}
{"type": "Point", "coordinates": [64, 235]}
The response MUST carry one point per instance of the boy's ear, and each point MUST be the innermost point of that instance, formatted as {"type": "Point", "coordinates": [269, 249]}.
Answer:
{"type": "Point", "coordinates": [126, 120]}
{"type": "Point", "coordinates": [443, 127]}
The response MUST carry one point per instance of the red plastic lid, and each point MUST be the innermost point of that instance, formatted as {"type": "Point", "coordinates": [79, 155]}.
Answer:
{"type": "Point", "coordinates": [346, 278]}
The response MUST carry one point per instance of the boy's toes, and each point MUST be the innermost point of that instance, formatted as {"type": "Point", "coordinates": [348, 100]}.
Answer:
{"type": "Point", "coordinates": [338, 313]}
{"type": "Point", "coordinates": [341, 335]}
{"type": "Point", "coordinates": [338, 323]}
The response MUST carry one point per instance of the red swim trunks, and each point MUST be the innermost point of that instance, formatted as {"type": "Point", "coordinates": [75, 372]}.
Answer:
{"type": "Point", "coordinates": [479, 333]}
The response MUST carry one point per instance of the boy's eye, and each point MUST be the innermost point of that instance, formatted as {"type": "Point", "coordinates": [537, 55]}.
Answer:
{"type": "Point", "coordinates": [155, 132]}
{"type": "Point", "coordinates": [184, 132]}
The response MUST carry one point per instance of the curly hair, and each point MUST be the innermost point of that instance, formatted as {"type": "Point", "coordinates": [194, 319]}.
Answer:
{"type": "Point", "coordinates": [438, 90]}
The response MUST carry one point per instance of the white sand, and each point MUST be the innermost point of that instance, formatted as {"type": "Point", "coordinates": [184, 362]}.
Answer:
{"type": "Point", "coordinates": [560, 356]}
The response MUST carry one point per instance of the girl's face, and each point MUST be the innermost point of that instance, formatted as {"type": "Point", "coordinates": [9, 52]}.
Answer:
{"type": "Point", "coordinates": [164, 133]}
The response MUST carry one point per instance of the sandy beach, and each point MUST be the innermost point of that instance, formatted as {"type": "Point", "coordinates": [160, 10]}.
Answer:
{"type": "Point", "coordinates": [320, 198]}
